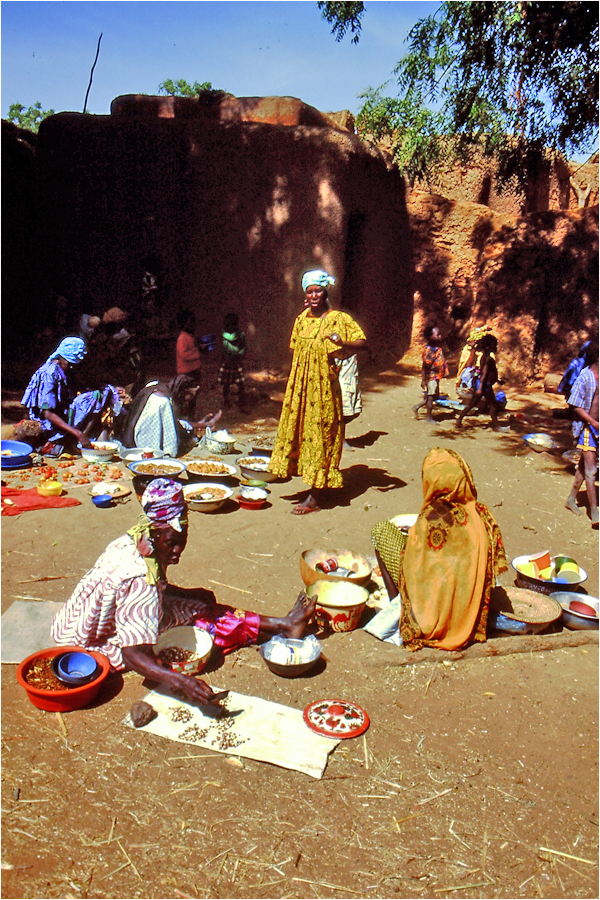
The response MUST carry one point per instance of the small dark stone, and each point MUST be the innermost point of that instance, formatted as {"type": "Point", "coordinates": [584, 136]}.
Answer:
{"type": "Point", "coordinates": [141, 713]}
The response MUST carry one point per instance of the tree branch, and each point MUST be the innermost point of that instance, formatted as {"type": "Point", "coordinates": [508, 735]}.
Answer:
{"type": "Point", "coordinates": [87, 93]}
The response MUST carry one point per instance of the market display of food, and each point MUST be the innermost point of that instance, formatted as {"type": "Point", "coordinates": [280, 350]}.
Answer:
{"type": "Point", "coordinates": [207, 493]}
{"type": "Point", "coordinates": [157, 469]}
{"type": "Point", "coordinates": [209, 467]}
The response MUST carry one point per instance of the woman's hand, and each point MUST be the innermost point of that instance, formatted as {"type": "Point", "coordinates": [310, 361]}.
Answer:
{"type": "Point", "coordinates": [192, 688]}
{"type": "Point", "coordinates": [141, 659]}
{"type": "Point", "coordinates": [335, 339]}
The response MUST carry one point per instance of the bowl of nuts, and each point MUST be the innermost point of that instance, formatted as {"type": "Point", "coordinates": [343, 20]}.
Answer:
{"type": "Point", "coordinates": [185, 649]}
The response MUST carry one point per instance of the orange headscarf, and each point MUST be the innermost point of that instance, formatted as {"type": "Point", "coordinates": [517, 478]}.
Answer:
{"type": "Point", "coordinates": [453, 555]}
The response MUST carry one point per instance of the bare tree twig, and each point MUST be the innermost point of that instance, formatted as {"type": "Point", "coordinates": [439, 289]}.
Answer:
{"type": "Point", "coordinates": [87, 93]}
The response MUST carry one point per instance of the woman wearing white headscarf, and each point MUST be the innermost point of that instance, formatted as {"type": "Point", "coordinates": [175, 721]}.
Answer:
{"type": "Point", "coordinates": [311, 427]}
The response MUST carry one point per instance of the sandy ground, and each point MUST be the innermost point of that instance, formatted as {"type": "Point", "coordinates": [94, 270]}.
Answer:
{"type": "Point", "coordinates": [469, 768]}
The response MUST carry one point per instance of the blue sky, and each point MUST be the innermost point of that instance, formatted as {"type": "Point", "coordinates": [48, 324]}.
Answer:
{"type": "Point", "coordinates": [251, 48]}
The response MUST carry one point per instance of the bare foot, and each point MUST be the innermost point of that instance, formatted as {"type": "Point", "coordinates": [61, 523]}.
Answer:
{"type": "Point", "coordinates": [458, 423]}
{"type": "Point", "coordinates": [572, 505]}
{"type": "Point", "coordinates": [430, 419]}
{"type": "Point", "coordinates": [416, 409]}
{"type": "Point", "coordinates": [309, 505]}
{"type": "Point", "coordinates": [296, 621]}
{"type": "Point", "coordinates": [594, 516]}
{"type": "Point", "coordinates": [501, 428]}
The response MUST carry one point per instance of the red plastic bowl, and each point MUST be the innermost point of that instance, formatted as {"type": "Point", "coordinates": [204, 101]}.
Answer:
{"type": "Point", "coordinates": [250, 504]}
{"type": "Point", "coordinates": [71, 698]}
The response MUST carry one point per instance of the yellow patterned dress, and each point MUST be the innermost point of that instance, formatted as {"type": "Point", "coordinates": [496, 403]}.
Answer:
{"type": "Point", "coordinates": [310, 435]}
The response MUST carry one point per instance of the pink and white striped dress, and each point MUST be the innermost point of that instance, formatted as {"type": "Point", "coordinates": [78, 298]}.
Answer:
{"type": "Point", "coordinates": [113, 606]}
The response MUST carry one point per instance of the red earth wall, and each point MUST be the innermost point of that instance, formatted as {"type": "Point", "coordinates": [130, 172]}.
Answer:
{"type": "Point", "coordinates": [237, 197]}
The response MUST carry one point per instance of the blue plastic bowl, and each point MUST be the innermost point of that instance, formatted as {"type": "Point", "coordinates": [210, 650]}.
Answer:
{"type": "Point", "coordinates": [19, 453]}
{"type": "Point", "coordinates": [102, 500]}
{"type": "Point", "coordinates": [76, 668]}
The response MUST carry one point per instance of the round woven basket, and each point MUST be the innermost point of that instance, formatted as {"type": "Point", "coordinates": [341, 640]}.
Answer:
{"type": "Point", "coordinates": [525, 605]}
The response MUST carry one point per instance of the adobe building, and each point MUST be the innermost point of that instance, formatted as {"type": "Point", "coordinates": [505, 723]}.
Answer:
{"type": "Point", "coordinates": [234, 198]}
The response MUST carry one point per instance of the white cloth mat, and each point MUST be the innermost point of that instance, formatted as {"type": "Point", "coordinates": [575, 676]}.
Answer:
{"type": "Point", "coordinates": [26, 628]}
{"type": "Point", "coordinates": [265, 731]}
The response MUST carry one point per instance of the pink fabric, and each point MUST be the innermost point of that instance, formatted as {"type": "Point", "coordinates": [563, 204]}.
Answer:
{"type": "Point", "coordinates": [230, 628]}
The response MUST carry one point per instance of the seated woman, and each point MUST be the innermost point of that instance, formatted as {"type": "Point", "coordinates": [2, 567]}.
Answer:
{"type": "Point", "coordinates": [124, 602]}
{"type": "Point", "coordinates": [452, 556]}
{"type": "Point", "coordinates": [153, 417]}
{"type": "Point", "coordinates": [66, 420]}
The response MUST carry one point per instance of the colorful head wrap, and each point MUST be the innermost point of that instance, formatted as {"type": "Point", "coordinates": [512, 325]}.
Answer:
{"type": "Point", "coordinates": [317, 276]}
{"type": "Point", "coordinates": [71, 348]}
{"type": "Point", "coordinates": [163, 503]}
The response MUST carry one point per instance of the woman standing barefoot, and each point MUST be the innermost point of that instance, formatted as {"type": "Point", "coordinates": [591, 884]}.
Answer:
{"type": "Point", "coordinates": [311, 427]}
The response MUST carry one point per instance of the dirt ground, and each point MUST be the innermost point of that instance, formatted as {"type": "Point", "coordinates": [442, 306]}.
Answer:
{"type": "Point", "coordinates": [470, 766]}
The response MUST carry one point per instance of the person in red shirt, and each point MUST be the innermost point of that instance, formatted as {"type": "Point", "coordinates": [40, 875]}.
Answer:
{"type": "Point", "coordinates": [434, 369]}
{"type": "Point", "coordinates": [188, 351]}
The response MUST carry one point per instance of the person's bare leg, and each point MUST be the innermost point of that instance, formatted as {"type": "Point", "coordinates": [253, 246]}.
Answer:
{"type": "Point", "coordinates": [429, 405]}
{"type": "Point", "coordinates": [295, 624]}
{"type": "Point", "coordinates": [577, 482]}
{"type": "Point", "coordinates": [419, 406]}
{"type": "Point", "coordinates": [345, 444]}
{"type": "Point", "coordinates": [310, 504]}
{"type": "Point", "coordinates": [589, 468]}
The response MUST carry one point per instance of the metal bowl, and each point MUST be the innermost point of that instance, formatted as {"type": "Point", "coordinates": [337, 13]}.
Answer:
{"type": "Point", "coordinates": [291, 669]}
{"type": "Point", "coordinates": [230, 471]}
{"type": "Point", "coordinates": [207, 505]}
{"type": "Point", "coordinates": [540, 442]}
{"type": "Point", "coordinates": [101, 451]}
{"type": "Point", "coordinates": [137, 454]}
{"type": "Point", "coordinates": [175, 467]}
{"type": "Point", "coordinates": [256, 467]}
{"type": "Point", "coordinates": [575, 621]}
{"type": "Point", "coordinates": [544, 586]}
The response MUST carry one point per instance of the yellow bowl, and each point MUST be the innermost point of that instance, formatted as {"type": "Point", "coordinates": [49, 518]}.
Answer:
{"type": "Point", "coordinates": [339, 606]}
{"type": "Point", "coordinates": [50, 488]}
{"type": "Point", "coordinates": [345, 558]}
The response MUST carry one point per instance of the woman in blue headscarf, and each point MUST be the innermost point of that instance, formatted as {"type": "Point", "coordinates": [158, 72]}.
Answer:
{"type": "Point", "coordinates": [49, 398]}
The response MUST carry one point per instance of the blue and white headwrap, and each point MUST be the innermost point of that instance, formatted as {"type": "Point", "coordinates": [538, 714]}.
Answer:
{"type": "Point", "coordinates": [317, 276]}
{"type": "Point", "coordinates": [71, 348]}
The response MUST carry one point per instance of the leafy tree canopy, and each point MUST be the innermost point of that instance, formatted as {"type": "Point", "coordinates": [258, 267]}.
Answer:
{"type": "Point", "coordinates": [182, 88]}
{"type": "Point", "coordinates": [343, 16]}
{"type": "Point", "coordinates": [29, 117]}
{"type": "Point", "coordinates": [516, 79]}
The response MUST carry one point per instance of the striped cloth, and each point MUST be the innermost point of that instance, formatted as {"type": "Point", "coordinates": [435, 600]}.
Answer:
{"type": "Point", "coordinates": [113, 606]}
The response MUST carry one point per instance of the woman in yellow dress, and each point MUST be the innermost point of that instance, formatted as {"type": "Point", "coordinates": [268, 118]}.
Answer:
{"type": "Point", "coordinates": [311, 427]}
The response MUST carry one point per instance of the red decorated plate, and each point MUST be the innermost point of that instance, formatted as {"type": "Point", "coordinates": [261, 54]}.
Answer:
{"type": "Point", "coordinates": [336, 718]}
